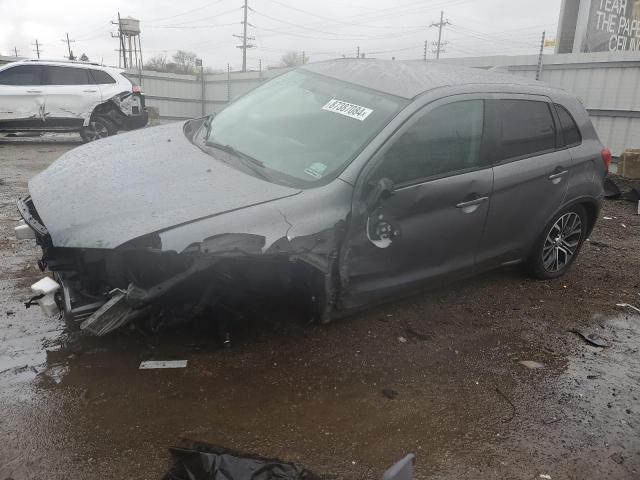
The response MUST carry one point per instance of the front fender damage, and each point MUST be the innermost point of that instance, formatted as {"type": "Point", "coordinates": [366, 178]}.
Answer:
{"type": "Point", "coordinates": [218, 277]}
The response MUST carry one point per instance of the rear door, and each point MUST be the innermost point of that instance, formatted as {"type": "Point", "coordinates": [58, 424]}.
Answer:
{"type": "Point", "coordinates": [431, 224]}
{"type": "Point", "coordinates": [531, 175]}
{"type": "Point", "coordinates": [71, 95]}
{"type": "Point", "coordinates": [21, 97]}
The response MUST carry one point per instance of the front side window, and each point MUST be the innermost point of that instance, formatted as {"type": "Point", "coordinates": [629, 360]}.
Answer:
{"type": "Point", "coordinates": [568, 127]}
{"type": "Point", "coordinates": [21, 75]}
{"type": "Point", "coordinates": [303, 126]}
{"type": "Point", "coordinates": [441, 141]}
{"type": "Point", "coordinates": [526, 127]}
{"type": "Point", "coordinates": [67, 76]}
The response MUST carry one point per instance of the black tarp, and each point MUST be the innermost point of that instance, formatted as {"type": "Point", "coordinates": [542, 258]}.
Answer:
{"type": "Point", "coordinates": [205, 462]}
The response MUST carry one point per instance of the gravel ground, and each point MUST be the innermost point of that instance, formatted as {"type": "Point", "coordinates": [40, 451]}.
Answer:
{"type": "Point", "coordinates": [437, 374]}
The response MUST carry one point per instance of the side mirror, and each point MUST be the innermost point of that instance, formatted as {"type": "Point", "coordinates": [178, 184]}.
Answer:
{"type": "Point", "coordinates": [381, 190]}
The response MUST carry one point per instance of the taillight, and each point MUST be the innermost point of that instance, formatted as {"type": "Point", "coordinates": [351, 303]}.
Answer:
{"type": "Point", "coordinates": [136, 89]}
{"type": "Point", "coordinates": [606, 157]}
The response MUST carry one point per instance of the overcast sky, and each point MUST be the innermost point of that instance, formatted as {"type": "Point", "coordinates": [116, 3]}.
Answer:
{"type": "Point", "coordinates": [322, 28]}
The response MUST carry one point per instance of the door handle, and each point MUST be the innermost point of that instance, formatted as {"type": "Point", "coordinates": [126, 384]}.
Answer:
{"type": "Point", "coordinates": [90, 91]}
{"type": "Point", "coordinates": [556, 177]}
{"type": "Point", "coordinates": [471, 203]}
{"type": "Point", "coordinates": [34, 91]}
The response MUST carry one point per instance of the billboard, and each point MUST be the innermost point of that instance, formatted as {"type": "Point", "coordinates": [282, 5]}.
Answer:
{"type": "Point", "coordinates": [612, 25]}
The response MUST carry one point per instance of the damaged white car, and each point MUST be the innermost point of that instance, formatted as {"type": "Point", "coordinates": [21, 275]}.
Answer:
{"type": "Point", "coordinates": [67, 96]}
{"type": "Point", "coordinates": [335, 185]}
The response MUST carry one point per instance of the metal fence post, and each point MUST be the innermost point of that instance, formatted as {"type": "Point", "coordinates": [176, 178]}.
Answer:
{"type": "Point", "coordinates": [228, 83]}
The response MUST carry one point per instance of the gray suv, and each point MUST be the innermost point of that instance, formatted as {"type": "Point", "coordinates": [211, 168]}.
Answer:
{"type": "Point", "coordinates": [343, 183]}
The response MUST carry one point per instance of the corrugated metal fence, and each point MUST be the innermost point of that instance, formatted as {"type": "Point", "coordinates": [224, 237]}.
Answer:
{"type": "Point", "coordinates": [607, 83]}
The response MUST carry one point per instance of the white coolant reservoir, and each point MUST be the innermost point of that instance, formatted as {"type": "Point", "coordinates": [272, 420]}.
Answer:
{"type": "Point", "coordinates": [47, 287]}
{"type": "Point", "coordinates": [24, 231]}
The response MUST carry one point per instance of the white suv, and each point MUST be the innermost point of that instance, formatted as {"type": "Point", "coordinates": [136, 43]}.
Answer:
{"type": "Point", "coordinates": [65, 96]}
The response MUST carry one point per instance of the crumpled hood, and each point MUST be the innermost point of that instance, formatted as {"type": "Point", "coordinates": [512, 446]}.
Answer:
{"type": "Point", "coordinates": [108, 192]}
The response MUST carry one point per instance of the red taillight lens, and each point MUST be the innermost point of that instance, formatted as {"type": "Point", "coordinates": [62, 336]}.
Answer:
{"type": "Point", "coordinates": [136, 89]}
{"type": "Point", "coordinates": [606, 158]}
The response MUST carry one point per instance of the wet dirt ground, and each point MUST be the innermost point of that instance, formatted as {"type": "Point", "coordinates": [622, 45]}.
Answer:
{"type": "Point", "coordinates": [437, 375]}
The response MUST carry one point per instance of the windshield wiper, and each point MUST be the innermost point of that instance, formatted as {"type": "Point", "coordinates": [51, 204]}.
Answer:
{"type": "Point", "coordinates": [233, 151]}
{"type": "Point", "coordinates": [253, 162]}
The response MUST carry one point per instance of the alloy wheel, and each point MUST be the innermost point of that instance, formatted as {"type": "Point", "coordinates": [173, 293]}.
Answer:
{"type": "Point", "coordinates": [96, 131]}
{"type": "Point", "coordinates": [562, 242]}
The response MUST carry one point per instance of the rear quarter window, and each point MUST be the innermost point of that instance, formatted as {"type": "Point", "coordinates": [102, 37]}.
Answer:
{"type": "Point", "coordinates": [101, 77]}
{"type": "Point", "coordinates": [527, 128]}
{"type": "Point", "coordinates": [570, 132]}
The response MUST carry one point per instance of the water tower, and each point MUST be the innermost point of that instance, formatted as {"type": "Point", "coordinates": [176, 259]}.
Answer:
{"type": "Point", "coordinates": [130, 46]}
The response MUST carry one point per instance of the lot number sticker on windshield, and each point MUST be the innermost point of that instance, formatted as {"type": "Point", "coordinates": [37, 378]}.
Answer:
{"type": "Point", "coordinates": [347, 109]}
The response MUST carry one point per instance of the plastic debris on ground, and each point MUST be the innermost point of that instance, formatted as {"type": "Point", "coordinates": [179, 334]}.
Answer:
{"type": "Point", "coordinates": [627, 305]}
{"type": "Point", "coordinates": [531, 364]}
{"type": "Point", "coordinates": [151, 364]}
{"type": "Point", "coordinates": [207, 462]}
{"type": "Point", "coordinates": [402, 470]}
{"type": "Point", "coordinates": [592, 338]}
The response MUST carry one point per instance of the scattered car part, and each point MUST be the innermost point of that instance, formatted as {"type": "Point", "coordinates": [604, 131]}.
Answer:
{"type": "Point", "coordinates": [45, 290]}
{"type": "Point", "coordinates": [206, 462]}
{"type": "Point", "coordinates": [591, 338]}
{"type": "Point", "coordinates": [153, 364]}
{"type": "Point", "coordinates": [24, 231]}
{"type": "Point", "coordinates": [532, 365]}
{"type": "Point", "coordinates": [611, 190]}
{"type": "Point", "coordinates": [627, 305]}
{"type": "Point", "coordinates": [401, 470]}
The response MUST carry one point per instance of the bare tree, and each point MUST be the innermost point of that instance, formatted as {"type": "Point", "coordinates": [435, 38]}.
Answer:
{"type": "Point", "coordinates": [185, 61]}
{"type": "Point", "coordinates": [293, 59]}
{"type": "Point", "coordinates": [157, 63]}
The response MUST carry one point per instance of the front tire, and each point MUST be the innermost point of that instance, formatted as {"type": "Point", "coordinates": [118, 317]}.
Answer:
{"type": "Point", "coordinates": [99, 127]}
{"type": "Point", "coordinates": [559, 244]}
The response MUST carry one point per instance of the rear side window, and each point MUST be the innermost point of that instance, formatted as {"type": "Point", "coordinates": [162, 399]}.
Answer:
{"type": "Point", "coordinates": [568, 127]}
{"type": "Point", "coordinates": [66, 76]}
{"type": "Point", "coordinates": [21, 75]}
{"type": "Point", "coordinates": [527, 128]}
{"type": "Point", "coordinates": [101, 77]}
{"type": "Point", "coordinates": [442, 141]}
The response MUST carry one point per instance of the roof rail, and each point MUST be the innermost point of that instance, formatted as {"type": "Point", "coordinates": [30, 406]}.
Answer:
{"type": "Point", "coordinates": [59, 61]}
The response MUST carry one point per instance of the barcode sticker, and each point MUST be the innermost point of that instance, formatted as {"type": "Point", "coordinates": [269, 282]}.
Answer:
{"type": "Point", "coordinates": [347, 109]}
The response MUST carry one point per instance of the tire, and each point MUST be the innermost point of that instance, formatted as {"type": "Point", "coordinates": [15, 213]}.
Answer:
{"type": "Point", "coordinates": [559, 244]}
{"type": "Point", "coordinates": [99, 127]}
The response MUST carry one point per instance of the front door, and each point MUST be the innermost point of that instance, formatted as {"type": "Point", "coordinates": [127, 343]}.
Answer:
{"type": "Point", "coordinates": [430, 222]}
{"type": "Point", "coordinates": [71, 96]}
{"type": "Point", "coordinates": [21, 97]}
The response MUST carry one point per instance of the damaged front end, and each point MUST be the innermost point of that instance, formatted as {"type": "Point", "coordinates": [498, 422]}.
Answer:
{"type": "Point", "coordinates": [100, 290]}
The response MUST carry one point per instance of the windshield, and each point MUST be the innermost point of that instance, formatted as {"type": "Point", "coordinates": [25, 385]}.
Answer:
{"type": "Point", "coordinates": [303, 125]}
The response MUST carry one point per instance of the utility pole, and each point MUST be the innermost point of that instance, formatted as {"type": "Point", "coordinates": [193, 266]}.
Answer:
{"type": "Point", "coordinates": [440, 24]}
{"type": "Point", "coordinates": [539, 70]}
{"type": "Point", "coordinates": [37, 48]}
{"type": "Point", "coordinates": [71, 57]}
{"type": "Point", "coordinates": [424, 55]}
{"type": "Point", "coordinates": [303, 62]}
{"type": "Point", "coordinates": [15, 50]}
{"type": "Point", "coordinates": [244, 38]}
{"type": "Point", "coordinates": [358, 52]}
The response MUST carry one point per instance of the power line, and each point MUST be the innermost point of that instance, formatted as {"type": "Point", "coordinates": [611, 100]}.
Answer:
{"type": "Point", "coordinates": [442, 23]}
